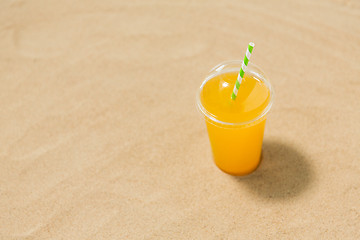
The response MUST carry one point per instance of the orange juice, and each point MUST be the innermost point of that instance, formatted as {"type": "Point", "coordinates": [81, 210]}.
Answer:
{"type": "Point", "coordinates": [235, 127]}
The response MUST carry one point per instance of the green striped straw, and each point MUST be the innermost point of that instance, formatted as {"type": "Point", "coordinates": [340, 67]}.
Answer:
{"type": "Point", "coordinates": [242, 70]}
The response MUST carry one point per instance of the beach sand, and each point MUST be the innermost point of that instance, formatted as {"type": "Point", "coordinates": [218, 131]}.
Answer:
{"type": "Point", "coordinates": [100, 137]}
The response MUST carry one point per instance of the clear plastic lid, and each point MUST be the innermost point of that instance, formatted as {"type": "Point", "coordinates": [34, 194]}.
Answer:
{"type": "Point", "coordinates": [234, 67]}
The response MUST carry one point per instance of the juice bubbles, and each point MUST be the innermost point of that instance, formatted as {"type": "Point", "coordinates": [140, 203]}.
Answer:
{"type": "Point", "coordinates": [235, 127]}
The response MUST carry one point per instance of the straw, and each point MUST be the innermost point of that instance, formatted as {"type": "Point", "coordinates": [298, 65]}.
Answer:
{"type": "Point", "coordinates": [242, 70]}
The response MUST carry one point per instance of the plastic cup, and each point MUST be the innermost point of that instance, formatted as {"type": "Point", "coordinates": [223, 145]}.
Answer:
{"type": "Point", "coordinates": [236, 146]}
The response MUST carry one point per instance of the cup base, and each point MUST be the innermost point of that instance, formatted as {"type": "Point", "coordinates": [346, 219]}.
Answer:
{"type": "Point", "coordinates": [242, 175]}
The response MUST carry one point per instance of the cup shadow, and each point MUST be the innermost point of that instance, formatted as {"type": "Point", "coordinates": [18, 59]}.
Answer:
{"type": "Point", "coordinates": [284, 172]}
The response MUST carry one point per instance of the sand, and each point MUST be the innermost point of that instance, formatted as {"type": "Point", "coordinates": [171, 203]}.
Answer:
{"type": "Point", "coordinates": [100, 137]}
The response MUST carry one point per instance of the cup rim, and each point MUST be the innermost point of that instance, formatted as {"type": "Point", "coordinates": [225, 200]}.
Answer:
{"type": "Point", "coordinates": [217, 70]}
